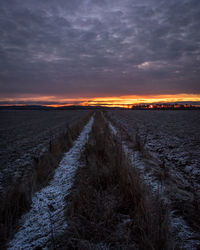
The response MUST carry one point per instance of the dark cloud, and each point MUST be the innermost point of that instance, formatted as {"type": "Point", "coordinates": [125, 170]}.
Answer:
{"type": "Point", "coordinates": [93, 47]}
{"type": "Point", "coordinates": [43, 103]}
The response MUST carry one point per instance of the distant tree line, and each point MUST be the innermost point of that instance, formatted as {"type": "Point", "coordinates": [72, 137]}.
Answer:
{"type": "Point", "coordinates": [165, 106]}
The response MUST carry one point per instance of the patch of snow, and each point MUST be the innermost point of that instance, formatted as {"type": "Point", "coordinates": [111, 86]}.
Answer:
{"type": "Point", "coordinates": [112, 128]}
{"type": "Point", "coordinates": [46, 217]}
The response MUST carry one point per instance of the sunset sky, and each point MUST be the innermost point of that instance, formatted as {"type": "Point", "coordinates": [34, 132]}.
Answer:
{"type": "Point", "coordinates": [99, 51]}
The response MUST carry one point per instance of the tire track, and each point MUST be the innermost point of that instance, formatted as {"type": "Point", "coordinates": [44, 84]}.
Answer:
{"type": "Point", "coordinates": [46, 218]}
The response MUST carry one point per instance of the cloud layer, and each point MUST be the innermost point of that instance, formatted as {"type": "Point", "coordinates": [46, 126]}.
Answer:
{"type": "Point", "coordinates": [99, 47]}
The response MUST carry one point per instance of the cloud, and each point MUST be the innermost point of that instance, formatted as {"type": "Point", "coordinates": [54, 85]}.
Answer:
{"type": "Point", "coordinates": [99, 47]}
{"type": "Point", "coordinates": [153, 66]}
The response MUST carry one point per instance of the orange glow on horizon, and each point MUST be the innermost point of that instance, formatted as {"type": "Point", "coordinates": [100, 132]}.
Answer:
{"type": "Point", "coordinates": [112, 101]}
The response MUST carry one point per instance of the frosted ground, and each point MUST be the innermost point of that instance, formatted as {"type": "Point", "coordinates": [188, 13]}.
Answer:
{"type": "Point", "coordinates": [165, 147]}
{"type": "Point", "coordinates": [24, 134]}
{"type": "Point", "coordinates": [29, 138]}
{"type": "Point", "coordinates": [47, 211]}
{"type": "Point", "coordinates": [172, 136]}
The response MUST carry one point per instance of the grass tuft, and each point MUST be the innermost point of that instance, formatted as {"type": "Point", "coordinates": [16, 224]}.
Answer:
{"type": "Point", "coordinates": [109, 204]}
{"type": "Point", "coordinates": [17, 198]}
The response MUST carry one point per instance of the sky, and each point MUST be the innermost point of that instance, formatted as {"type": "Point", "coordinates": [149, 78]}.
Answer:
{"type": "Point", "coordinates": [78, 51]}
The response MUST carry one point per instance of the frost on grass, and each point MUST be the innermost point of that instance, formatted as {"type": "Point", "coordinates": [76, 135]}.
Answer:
{"type": "Point", "coordinates": [184, 235]}
{"type": "Point", "coordinates": [112, 128]}
{"type": "Point", "coordinates": [25, 135]}
{"type": "Point", "coordinates": [46, 218]}
{"type": "Point", "coordinates": [170, 135]}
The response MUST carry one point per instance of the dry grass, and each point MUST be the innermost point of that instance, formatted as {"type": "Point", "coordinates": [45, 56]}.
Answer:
{"type": "Point", "coordinates": [17, 198]}
{"type": "Point", "coordinates": [45, 165]}
{"type": "Point", "coordinates": [109, 204]}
